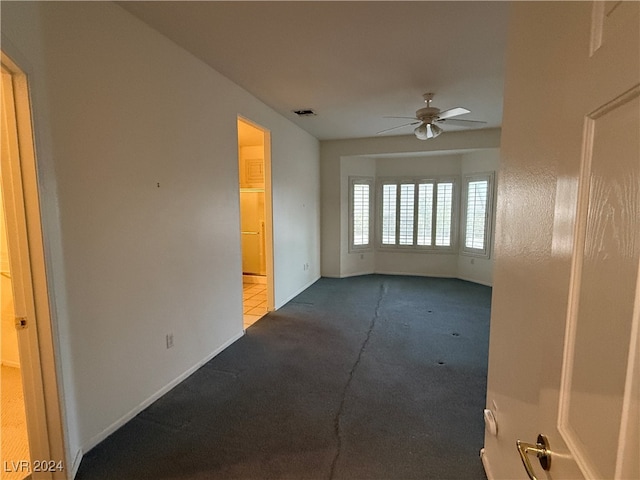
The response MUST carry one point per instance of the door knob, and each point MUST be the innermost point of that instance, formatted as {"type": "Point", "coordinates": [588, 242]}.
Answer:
{"type": "Point", "coordinates": [540, 449]}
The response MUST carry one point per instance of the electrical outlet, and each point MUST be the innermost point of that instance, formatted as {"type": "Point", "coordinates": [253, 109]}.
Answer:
{"type": "Point", "coordinates": [169, 340]}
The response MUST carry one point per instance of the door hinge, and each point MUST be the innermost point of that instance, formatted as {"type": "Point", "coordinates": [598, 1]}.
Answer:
{"type": "Point", "coordinates": [21, 323]}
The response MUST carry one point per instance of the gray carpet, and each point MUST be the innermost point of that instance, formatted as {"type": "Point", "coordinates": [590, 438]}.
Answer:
{"type": "Point", "coordinates": [372, 377]}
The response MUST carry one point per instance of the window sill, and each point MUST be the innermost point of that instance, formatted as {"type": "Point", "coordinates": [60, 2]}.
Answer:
{"type": "Point", "coordinates": [467, 253]}
{"type": "Point", "coordinates": [357, 250]}
{"type": "Point", "coordinates": [397, 249]}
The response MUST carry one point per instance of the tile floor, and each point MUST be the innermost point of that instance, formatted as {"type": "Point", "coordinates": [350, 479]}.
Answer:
{"type": "Point", "coordinates": [13, 430]}
{"type": "Point", "coordinates": [254, 302]}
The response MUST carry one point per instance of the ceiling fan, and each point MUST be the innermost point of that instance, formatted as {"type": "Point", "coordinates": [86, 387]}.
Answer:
{"type": "Point", "coordinates": [428, 117]}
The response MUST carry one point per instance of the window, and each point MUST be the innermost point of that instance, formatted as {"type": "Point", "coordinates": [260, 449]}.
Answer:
{"type": "Point", "coordinates": [476, 224]}
{"type": "Point", "coordinates": [425, 213]}
{"type": "Point", "coordinates": [405, 236]}
{"type": "Point", "coordinates": [360, 207]}
{"type": "Point", "coordinates": [444, 212]}
{"type": "Point", "coordinates": [389, 214]}
{"type": "Point", "coordinates": [417, 214]}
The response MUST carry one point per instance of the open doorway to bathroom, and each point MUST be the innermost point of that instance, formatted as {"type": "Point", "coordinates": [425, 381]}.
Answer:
{"type": "Point", "coordinates": [255, 221]}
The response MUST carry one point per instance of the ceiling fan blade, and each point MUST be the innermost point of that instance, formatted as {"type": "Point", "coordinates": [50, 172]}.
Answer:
{"type": "Point", "coordinates": [399, 126]}
{"type": "Point", "coordinates": [460, 122]}
{"type": "Point", "coordinates": [453, 112]}
{"type": "Point", "coordinates": [409, 118]}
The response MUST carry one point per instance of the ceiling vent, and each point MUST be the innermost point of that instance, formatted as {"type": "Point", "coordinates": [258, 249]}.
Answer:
{"type": "Point", "coordinates": [306, 112]}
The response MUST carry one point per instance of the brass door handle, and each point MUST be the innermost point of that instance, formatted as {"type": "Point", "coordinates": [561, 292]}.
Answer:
{"type": "Point", "coordinates": [541, 450]}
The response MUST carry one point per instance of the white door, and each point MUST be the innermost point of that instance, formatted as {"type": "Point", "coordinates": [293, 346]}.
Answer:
{"type": "Point", "coordinates": [564, 356]}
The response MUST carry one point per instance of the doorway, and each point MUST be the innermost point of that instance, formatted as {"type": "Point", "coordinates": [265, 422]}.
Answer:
{"type": "Point", "coordinates": [13, 429]}
{"type": "Point", "coordinates": [255, 221]}
{"type": "Point", "coordinates": [33, 434]}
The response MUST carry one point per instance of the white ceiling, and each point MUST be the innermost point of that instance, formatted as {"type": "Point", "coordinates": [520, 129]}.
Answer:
{"type": "Point", "coordinates": [351, 62]}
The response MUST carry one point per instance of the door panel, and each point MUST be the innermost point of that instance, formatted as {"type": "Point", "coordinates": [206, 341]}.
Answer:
{"type": "Point", "coordinates": [604, 278]}
{"type": "Point", "coordinates": [563, 355]}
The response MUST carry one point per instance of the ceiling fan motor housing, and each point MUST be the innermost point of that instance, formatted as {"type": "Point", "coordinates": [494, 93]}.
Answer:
{"type": "Point", "coordinates": [427, 114]}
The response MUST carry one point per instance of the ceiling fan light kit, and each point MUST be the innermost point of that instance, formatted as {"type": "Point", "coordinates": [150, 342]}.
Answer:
{"type": "Point", "coordinates": [428, 116]}
{"type": "Point", "coordinates": [426, 131]}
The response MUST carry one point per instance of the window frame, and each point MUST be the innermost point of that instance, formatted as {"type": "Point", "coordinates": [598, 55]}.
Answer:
{"type": "Point", "coordinates": [416, 181]}
{"type": "Point", "coordinates": [484, 252]}
{"type": "Point", "coordinates": [370, 182]}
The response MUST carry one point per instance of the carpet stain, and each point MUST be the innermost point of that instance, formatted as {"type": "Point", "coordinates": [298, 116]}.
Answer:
{"type": "Point", "coordinates": [338, 419]}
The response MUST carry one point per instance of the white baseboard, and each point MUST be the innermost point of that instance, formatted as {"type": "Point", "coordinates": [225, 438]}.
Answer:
{"type": "Point", "coordinates": [408, 274]}
{"type": "Point", "coordinates": [298, 292]}
{"type": "Point", "coordinates": [356, 274]}
{"type": "Point", "coordinates": [473, 280]}
{"type": "Point", "coordinates": [414, 274]}
{"type": "Point", "coordinates": [258, 279]}
{"type": "Point", "coordinates": [75, 464]}
{"type": "Point", "coordinates": [485, 464]}
{"type": "Point", "coordinates": [96, 439]}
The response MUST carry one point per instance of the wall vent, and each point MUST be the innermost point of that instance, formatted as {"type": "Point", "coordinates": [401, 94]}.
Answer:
{"type": "Point", "coordinates": [306, 112]}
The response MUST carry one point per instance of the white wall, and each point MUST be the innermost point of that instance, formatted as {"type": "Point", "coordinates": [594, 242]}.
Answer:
{"type": "Point", "coordinates": [296, 208]}
{"type": "Point", "coordinates": [453, 153]}
{"type": "Point", "coordinates": [358, 262]}
{"type": "Point", "coordinates": [118, 110]}
{"type": "Point", "coordinates": [478, 269]}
